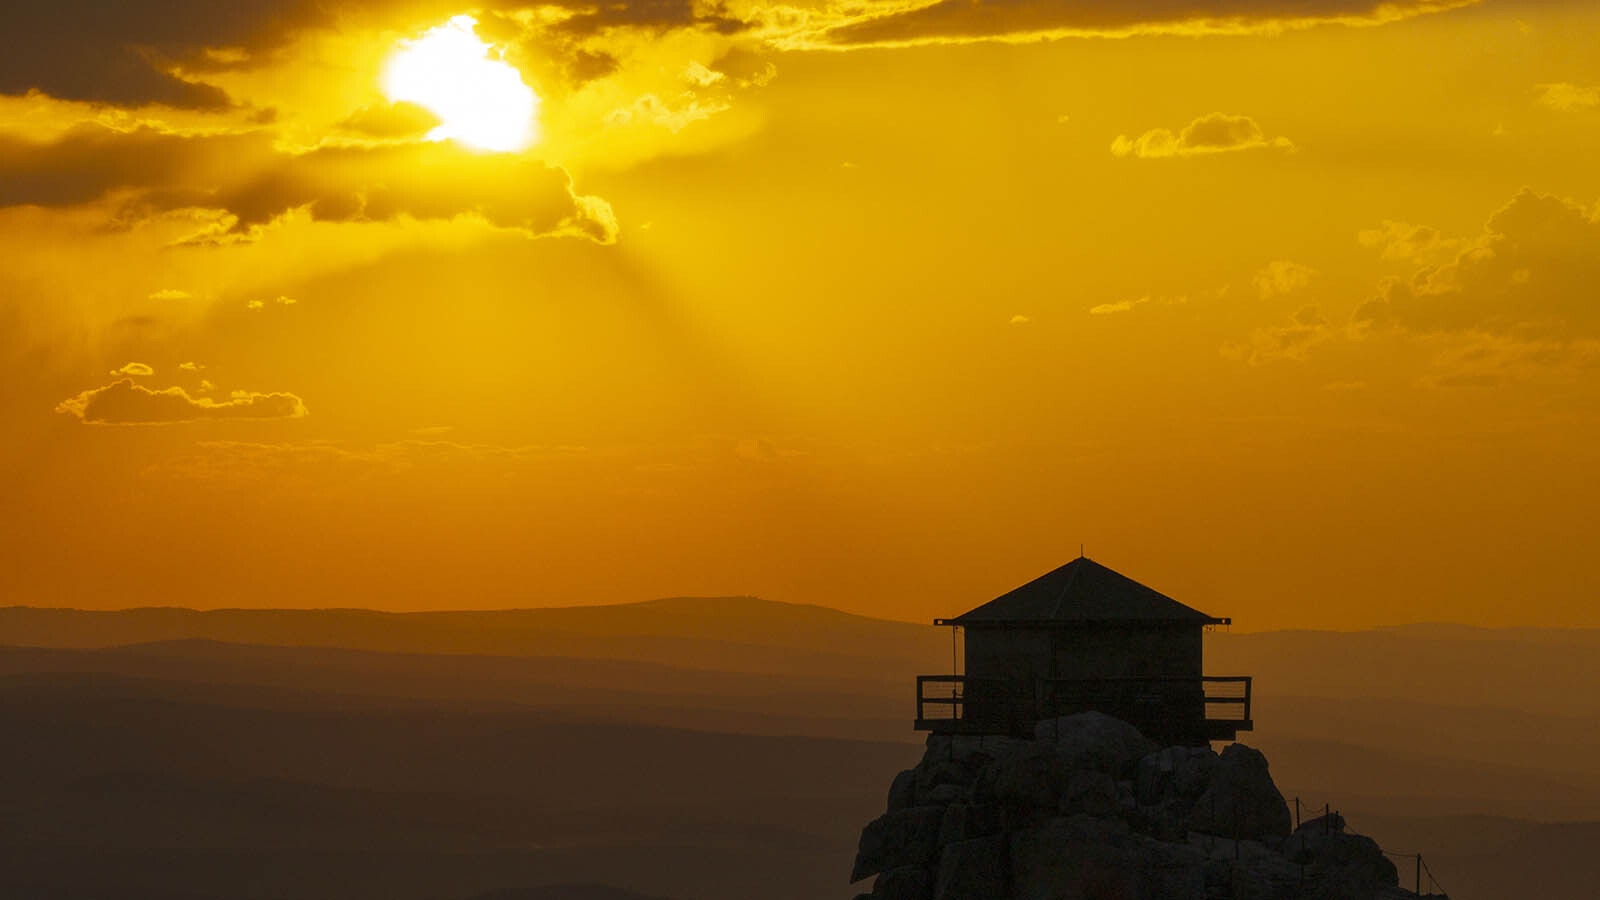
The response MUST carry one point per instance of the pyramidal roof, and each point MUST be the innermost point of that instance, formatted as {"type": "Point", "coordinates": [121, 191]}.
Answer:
{"type": "Point", "coordinates": [1083, 591]}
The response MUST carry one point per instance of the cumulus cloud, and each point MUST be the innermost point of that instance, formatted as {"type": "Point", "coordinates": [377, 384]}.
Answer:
{"type": "Point", "coordinates": [170, 294]}
{"type": "Point", "coordinates": [1213, 133]}
{"type": "Point", "coordinates": [1565, 96]}
{"type": "Point", "coordinates": [1410, 243]}
{"type": "Point", "coordinates": [1291, 340]}
{"type": "Point", "coordinates": [1531, 272]}
{"type": "Point", "coordinates": [1281, 277]}
{"type": "Point", "coordinates": [134, 368]}
{"type": "Point", "coordinates": [125, 403]}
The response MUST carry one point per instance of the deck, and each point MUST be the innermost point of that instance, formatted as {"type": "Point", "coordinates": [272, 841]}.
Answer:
{"type": "Point", "coordinates": [1175, 709]}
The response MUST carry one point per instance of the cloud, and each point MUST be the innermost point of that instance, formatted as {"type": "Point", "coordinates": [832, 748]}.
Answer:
{"type": "Point", "coordinates": [1291, 340]}
{"type": "Point", "coordinates": [170, 294]}
{"type": "Point", "coordinates": [1020, 319]}
{"type": "Point", "coordinates": [390, 121]}
{"type": "Point", "coordinates": [1411, 243]}
{"type": "Point", "coordinates": [134, 368]}
{"type": "Point", "coordinates": [125, 53]}
{"type": "Point", "coordinates": [1213, 133]}
{"type": "Point", "coordinates": [1281, 277]}
{"type": "Point", "coordinates": [1119, 306]}
{"type": "Point", "coordinates": [249, 183]}
{"type": "Point", "coordinates": [1122, 306]}
{"type": "Point", "coordinates": [1566, 96]}
{"type": "Point", "coordinates": [909, 22]}
{"type": "Point", "coordinates": [125, 403]}
{"type": "Point", "coordinates": [1531, 272]}
{"type": "Point", "coordinates": [139, 52]}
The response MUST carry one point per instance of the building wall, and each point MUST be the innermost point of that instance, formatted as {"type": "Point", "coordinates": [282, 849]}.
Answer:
{"type": "Point", "coordinates": [1100, 651]}
{"type": "Point", "coordinates": [1090, 651]}
{"type": "Point", "coordinates": [1008, 653]}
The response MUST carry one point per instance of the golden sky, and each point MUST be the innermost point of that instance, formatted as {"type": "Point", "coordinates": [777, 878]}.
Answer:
{"type": "Point", "coordinates": [1289, 308]}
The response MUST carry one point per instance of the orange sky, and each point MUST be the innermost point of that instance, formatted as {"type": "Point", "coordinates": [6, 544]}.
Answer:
{"type": "Point", "coordinates": [1286, 309]}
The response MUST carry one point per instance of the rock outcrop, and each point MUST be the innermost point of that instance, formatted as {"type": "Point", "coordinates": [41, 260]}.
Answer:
{"type": "Point", "coordinates": [1090, 809]}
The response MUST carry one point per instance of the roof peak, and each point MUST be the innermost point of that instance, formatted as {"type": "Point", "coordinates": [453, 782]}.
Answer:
{"type": "Point", "coordinates": [1083, 591]}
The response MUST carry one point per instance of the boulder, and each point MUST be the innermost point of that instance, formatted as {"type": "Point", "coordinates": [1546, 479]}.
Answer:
{"type": "Point", "coordinates": [903, 791]}
{"type": "Point", "coordinates": [1028, 784]}
{"type": "Point", "coordinates": [944, 795]}
{"type": "Point", "coordinates": [1176, 775]}
{"type": "Point", "coordinates": [1090, 792]}
{"type": "Point", "coordinates": [1094, 740]}
{"type": "Point", "coordinates": [904, 883]}
{"type": "Point", "coordinates": [1248, 870]}
{"type": "Point", "coordinates": [908, 837]}
{"type": "Point", "coordinates": [1242, 801]}
{"type": "Point", "coordinates": [973, 870]}
{"type": "Point", "coordinates": [1331, 823]}
{"type": "Point", "coordinates": [1341, 864]}
{"type": "Point", "coordinates": [956, 826]}
{"type": "Point", "coordinates": [1079, 858]}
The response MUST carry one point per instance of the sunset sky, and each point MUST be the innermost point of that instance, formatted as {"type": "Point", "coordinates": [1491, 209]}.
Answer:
{"type": "Point", "coordinates": [1288, 308]}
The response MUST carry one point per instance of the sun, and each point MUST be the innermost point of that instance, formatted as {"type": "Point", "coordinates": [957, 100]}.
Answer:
{"type": "Point", "coordinates": [480, 99]}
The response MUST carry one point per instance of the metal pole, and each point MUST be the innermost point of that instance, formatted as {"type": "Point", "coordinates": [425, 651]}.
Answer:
{"type": "Point", "coordinates": [1419, 875]}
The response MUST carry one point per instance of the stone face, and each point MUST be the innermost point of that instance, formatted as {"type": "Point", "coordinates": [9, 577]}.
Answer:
{"type": "Point", "coordinates": [904, 883]}
{"type": "Point", "coordinates": [908, 837]}
{"type": "Point", "coordinates": [944, 795]}
{"type": "Point", "coordinates": [1342, 864]}
{"type": "Point", "coordinates": [1029, 784]}
{"type": "Point", "coordinates": [1090, 810]}
{"type": "Point", "coordinates": [1178, 774]}
{"type": "Point", "coordinates": [956, 824]}
{"type": "Point", "coordinates": [1081, 858]}
{"type": "Point", "coordinates": [1094, 740]}
{"type": "Point", "coordinates": [1090, 792]}
{"type": "Point", "coordinates": [974, 870]}
{"type": "Point", "coordinates": [1242, 801]}
{"type": "Point", "coordinates": [903, 791]}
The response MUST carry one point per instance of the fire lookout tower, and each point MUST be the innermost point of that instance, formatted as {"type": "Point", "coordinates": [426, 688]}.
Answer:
{"type": "Point", "coordinates": [1081, 638]}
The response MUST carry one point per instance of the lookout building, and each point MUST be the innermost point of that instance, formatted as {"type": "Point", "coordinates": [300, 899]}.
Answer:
{"type": "Point", "coordinates": [1081, 638]}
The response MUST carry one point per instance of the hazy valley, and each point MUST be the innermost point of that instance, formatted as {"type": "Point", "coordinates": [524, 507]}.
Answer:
{"type": "Point", "coordinates": [682, 748]}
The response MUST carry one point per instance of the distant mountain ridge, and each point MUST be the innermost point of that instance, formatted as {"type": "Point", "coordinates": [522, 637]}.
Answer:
{"type": "Point", "coordinates": [726, 633]}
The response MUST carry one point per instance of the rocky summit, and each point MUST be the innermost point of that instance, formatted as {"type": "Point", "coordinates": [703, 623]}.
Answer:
{"type": "Point", "coordinates": [1089, 809]}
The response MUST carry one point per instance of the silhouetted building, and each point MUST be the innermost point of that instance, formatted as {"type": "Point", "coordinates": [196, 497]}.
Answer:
{"type": "Point", "coordinates": [1084, 638]}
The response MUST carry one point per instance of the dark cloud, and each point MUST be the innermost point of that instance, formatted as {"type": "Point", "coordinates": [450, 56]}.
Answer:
{"type": "Point", "coordinates": [1532, 272]}
{"type": "Point", "coordinates": [124, 52]}
{"type": "Point", "coordinates": [420, 181]}
{"type": "Point", "coordinates": [91, 161]}
{"type": "Point", "coordinates": [126, 403]}
{"type": "Point", "coordinates": [243, 178]}
{"type": "Point", "coordinates": [120, 52]}
{"type": "Point", "coordinates": [962, 20]}
{"type": "Point", "coordinates": [655, 14]}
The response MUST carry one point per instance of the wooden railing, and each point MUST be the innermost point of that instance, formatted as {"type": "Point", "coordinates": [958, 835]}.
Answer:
{"type": "Point", "coordinates": [959, 702]}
